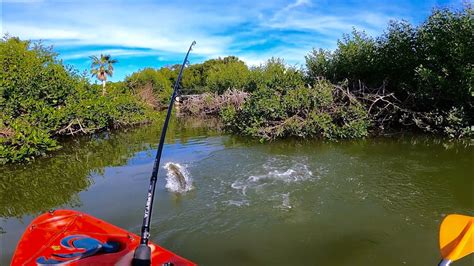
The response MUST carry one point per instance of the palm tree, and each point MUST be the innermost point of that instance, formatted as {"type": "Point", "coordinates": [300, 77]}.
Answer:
{"type": "Point", "coordinates": [101, 68]}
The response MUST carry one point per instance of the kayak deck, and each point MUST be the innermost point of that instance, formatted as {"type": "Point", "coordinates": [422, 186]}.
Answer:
{"type": "Point", "coordinates": [74, 238]}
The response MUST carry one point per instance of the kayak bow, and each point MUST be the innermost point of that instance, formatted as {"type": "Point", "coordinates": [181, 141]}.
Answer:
{"type": "Point", "coordinates": [74, 238]}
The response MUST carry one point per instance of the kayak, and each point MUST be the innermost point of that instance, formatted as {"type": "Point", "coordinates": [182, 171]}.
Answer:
{"type": "Point", "coordinates": [70, 237]}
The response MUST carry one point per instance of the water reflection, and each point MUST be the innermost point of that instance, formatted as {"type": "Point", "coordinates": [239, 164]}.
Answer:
{"type": "Point", "coordinates": [285, 202]}
{"type": "Point", "coordinates": [48, 183]}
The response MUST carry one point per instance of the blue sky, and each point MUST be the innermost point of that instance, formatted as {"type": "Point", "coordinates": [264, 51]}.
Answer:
{"type": "Point", "coordinates": [156, 33]}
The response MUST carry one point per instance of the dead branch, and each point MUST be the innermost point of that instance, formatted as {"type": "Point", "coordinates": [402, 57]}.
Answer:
{"type": "Point", "coordinates": [76, 127]}
{"type": "Point", "coordinates": [208, 104]}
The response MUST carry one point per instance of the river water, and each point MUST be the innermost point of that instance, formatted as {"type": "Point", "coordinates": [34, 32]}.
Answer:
{"type": "Point", "coordinates": [293, 202]}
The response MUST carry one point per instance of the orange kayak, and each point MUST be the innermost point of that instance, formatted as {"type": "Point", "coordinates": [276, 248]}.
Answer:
{"type": "Point", "coordinates": [74, 238]}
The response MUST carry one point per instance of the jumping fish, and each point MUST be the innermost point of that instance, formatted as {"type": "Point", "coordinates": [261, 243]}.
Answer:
{"type": "Point", "coordinates": [175, 171]}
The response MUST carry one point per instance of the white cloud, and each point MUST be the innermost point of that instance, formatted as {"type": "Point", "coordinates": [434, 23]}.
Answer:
{"type": "Point", "coordinates": [119, 36]}
{"type": "Point", "coordinates": [34, 32]}
{"type": "Point", "coordinates": [291, 56]}
{"type": "Point", "coordinates": [128, 26]}
{"type": "Point", "coordinates": [328, 24]}
{"type": "Point", "coordinates": [114, 52]}
{"type": "Point", "coordinates": [298, 3]}
{"type": "Point", "coordinates": [254, 30]}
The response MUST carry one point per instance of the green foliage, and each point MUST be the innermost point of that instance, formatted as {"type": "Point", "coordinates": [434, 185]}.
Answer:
{"type": "Point", "coordinates": [452, 123]}
{"type": "Point", "coordinates": [215, 76]}
{"type": "Point", "coordinates": [91, 114]}
{"type": "Point", "coordinates": [320, 64]}
{"type": "Point", "coordinates": [26, 142]}
{"type": "Point", "coordinates": [30, 73]}
{"type": "Point", "coordinates": [194, 78]}
{"type": "Point", "coordinates": [274, 74]}
{"type": "Point", "coordinates": [227, 75]}
{"type": "Point", "coordinates": [219, 75]}
{"type": "Point", "coordinates": [353, 59]}
{"type": "Point", "coordinates": [445, 45]}
{"type": "Point", "coordinates": [282, 105]}
{"type": "Point", "coordinates": [40, 99]}
{"type": "Point", "coordinates": [429, 68]}
{"type": "Point", "coordinates": [319, 111]}
{"type": "Point", "coordinates": [160, 80]}
{"type": "Point", "coordinates": [397, 58]}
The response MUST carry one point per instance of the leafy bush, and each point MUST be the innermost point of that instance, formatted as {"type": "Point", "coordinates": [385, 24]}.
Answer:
{"type": "Point", "coordinates": [227, 75]}
{"type": "Point", "coordinates": [445, 71]}
{"type": "Point", "coordinates": [40, 98]}
{"type": "Point", "coordinates": [159, 80]}
{"type": "Point", "coordinates": [397, 58]}
{"type": "Point", "coordinates": [319, 111]}
{"type": "Point", "coordinates": [274, 74]}
{"type": "Point", "coordinates": [428, 68]}
{"type": "Point", "coordinates": [194, 78]}
{"type": "Point", "coordinates": [215, 76]}
{"type": "Point", "coordinates": [354, 59]}
{"type": "Point", "coordinates": [92, 114]}
{"type": "Point", "coordinates": [452, 123]}
{"type": "Point", "coordinates": [25, 143]}
{"type": "Point", "coordinates": [31, 73]}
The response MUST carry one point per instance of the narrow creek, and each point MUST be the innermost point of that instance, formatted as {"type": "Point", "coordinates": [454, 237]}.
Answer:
{"type": "Point", "coordinates": [293, 202]}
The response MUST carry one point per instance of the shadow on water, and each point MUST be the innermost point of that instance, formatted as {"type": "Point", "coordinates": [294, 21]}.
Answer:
{"type": "Point", "coordinates": [47, 183]}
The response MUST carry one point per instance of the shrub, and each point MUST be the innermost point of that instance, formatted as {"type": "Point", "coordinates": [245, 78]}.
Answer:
{"type": "Point", "coordinates": [194, 78]}
{"type": "Point", "coordinates": [444, 73]}
{"type": "Point", "coordinates": [31, 73]}
{"type": "Point", "coordinates": [275, 75]}
{"type": "Point", "coordinates": [320, 111]}
{"type": "Point", "coordinates": [40, 98]}
{"type": "Point", "coordinates": [319, 64]}
{"type": "Point", "coordinates": [227, 75]}
{"type": "Point", "coordinates": [354, 59]}
{"type": "Point", "coordinates": [25, 142]}
{"type": "Point", "coordinates": [158, 80]}
{"type": "Point", "coordinates": [397, 58]}
{"type": "Point", "coordinates": [431, 63]}
{"type": "Point", "coordinates": [428, 68]}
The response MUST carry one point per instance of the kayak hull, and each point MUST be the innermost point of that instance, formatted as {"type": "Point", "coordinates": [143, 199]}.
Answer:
{"type": "Point", "coordinates": [70, 237]}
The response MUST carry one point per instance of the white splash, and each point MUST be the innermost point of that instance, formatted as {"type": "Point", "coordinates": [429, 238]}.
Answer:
{"type": "Point", "coordinates": [275, 174]}
{"type": "Point", "coordinates": [286, 201]}
{"type": "Point", "coordinates": [173, 182]}
{"type": "Point", "coordinates": [237, 203]}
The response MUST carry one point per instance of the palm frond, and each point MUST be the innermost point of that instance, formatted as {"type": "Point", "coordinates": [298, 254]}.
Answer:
{"type": "Point", "coordinates": [95, 60]}
{"type": "Point", "coordinates": [108, 72]}
{"type": "Point", "coordinates": [102, 66]}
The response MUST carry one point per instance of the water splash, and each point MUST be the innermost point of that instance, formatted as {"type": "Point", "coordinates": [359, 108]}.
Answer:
{"type": "Point", "coordinates": [177, 178]}
{"type": "Point", "coordinates": [286, 201]}
{"type": "Point", "coordinates": [275, 174]}
{"type": "Point", "coordinates": [237, 203]}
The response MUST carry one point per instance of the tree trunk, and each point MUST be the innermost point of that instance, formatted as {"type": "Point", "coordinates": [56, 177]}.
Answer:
{"type": "Point", "coordinates": [103, 87]}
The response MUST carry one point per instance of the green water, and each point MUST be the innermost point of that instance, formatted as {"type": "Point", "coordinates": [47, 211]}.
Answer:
{"type": "Point", "coordinates": [367, 202]}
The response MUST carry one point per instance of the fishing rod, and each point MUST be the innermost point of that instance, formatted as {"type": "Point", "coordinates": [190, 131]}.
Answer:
{"type": "Point", "coordinates": [142, 255]}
